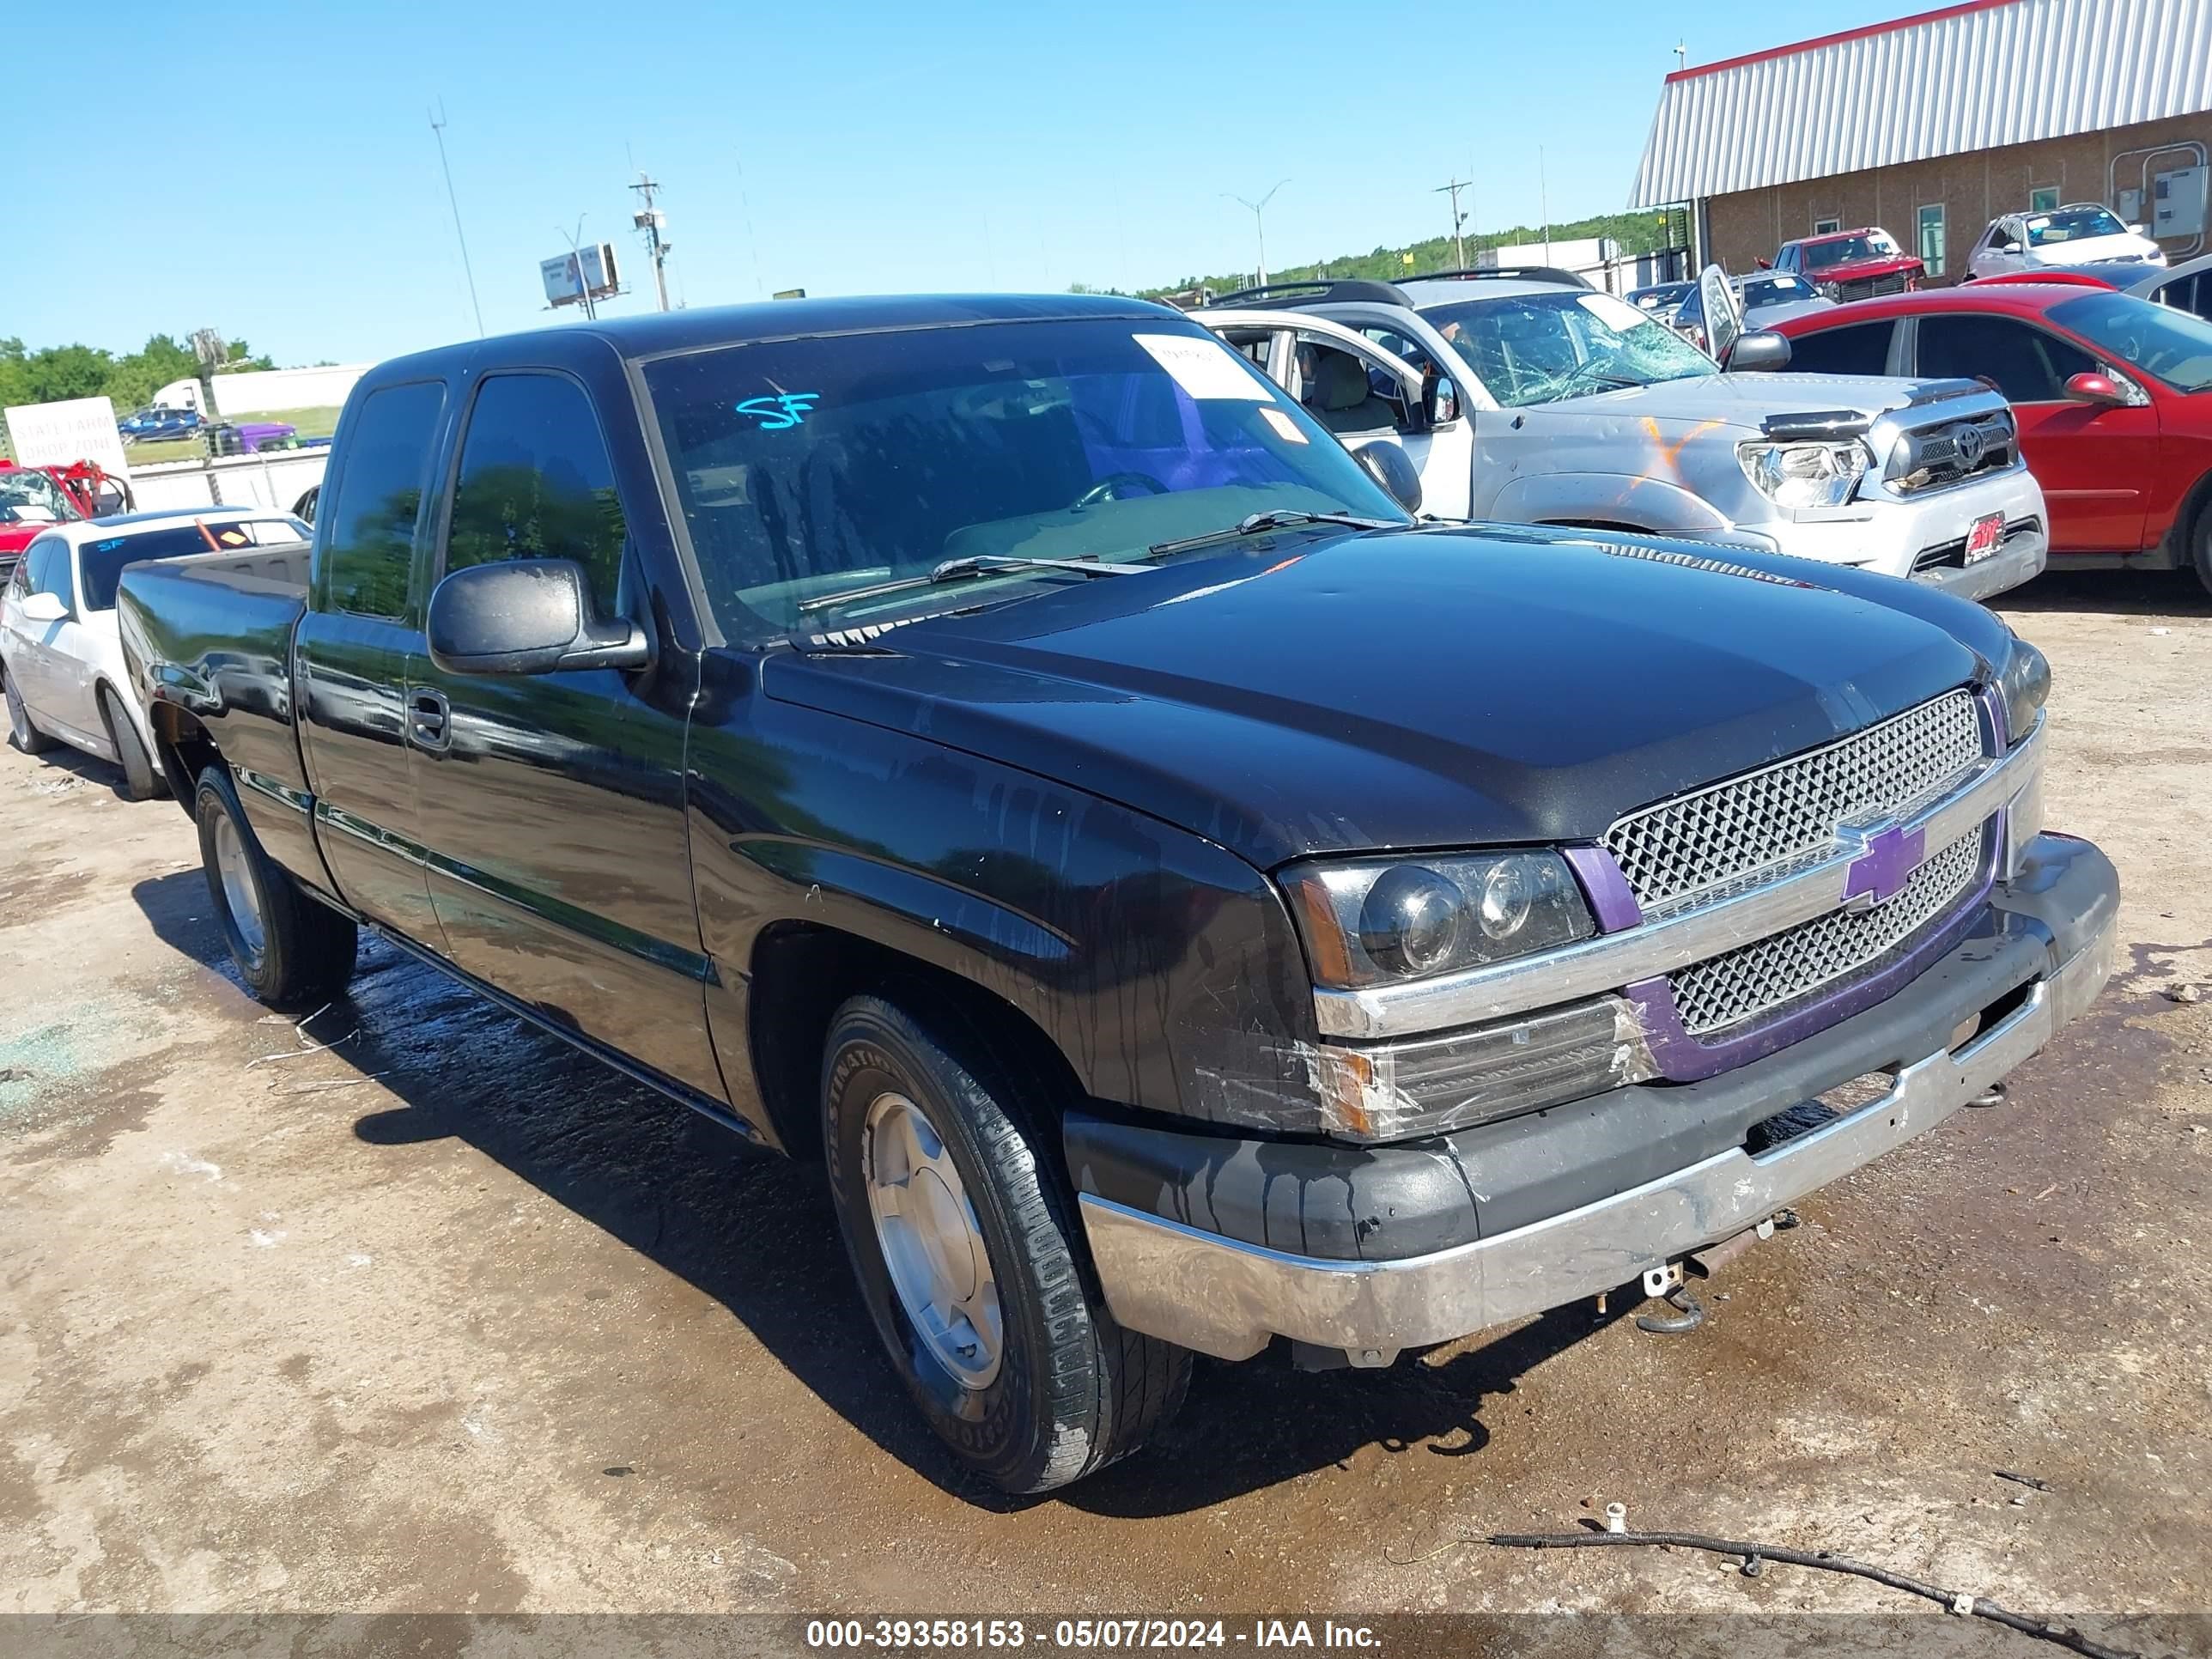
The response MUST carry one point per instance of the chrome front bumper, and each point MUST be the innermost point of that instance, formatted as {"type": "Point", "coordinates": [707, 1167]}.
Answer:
{"type": "Point", "coordinates": [1227, 1297]}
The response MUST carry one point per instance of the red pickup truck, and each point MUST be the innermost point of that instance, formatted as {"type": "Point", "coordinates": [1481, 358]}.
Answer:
{"type": "Point", "coordinates": [33, 497]}
{"type": "Point", "coordinates": [1851, 265]}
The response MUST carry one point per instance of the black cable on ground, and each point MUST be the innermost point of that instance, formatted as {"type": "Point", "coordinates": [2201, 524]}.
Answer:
{"type": "Point", "coordinates": [1957, 1601]}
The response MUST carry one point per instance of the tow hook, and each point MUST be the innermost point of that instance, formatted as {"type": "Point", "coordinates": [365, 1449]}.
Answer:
{"type": "Point", "coordinates": [1666, 1283]}
{"type": "Point", "coordinates": [1670, 1284]}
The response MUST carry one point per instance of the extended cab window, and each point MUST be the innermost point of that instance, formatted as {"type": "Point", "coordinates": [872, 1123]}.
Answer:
{"type": "Point", "coordinates": [2021, 361]}
{"type": "Point", "coordinates": [363, 568]}
{"type": "Point", "coordinates": [1861, 349]}
{"type": "Point", "coordinates": [536, 482]}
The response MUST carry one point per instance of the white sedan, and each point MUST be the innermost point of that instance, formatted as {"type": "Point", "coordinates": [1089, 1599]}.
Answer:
{"type": "Point", "coordinates": [2084, 233]}
{"type": "Point", "coordinates": [60, 656]}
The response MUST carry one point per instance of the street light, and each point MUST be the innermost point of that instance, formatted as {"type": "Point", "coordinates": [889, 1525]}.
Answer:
{"type": "Point", "coordinates": [1258, 209]}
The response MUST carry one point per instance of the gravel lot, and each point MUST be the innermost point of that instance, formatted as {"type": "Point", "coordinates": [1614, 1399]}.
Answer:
{"type": "Point", "coordinates": [447, 1318]}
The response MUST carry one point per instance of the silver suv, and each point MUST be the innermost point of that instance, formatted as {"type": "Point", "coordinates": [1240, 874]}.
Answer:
{"type": "Point", "coordinates": [1528, 397]}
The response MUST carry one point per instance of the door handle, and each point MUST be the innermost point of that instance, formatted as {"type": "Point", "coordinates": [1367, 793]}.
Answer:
{"type": "Point", "coordinates": [429, 719]}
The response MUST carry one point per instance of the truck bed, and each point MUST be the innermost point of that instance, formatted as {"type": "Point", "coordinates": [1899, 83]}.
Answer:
{"type": "Point", "coordinates": [210, 634]}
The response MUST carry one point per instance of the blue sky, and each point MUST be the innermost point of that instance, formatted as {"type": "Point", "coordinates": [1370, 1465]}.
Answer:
{"type": "Point", "coordinates": [270, 171]}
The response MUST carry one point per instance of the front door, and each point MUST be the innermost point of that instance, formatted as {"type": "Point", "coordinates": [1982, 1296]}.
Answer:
{"type": "Point", "coordinates": [2092, 460]}
{"type": "Point", "coordinates": [1366, 395]}
{"type": "Point", "coordinates": [363, 624]}
{"type": "Point", "coordinates": [553, 804]}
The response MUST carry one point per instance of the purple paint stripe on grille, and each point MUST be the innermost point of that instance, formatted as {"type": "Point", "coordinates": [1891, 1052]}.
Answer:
{"type": "Point", "coordinates": [1610, 901]}
{"type": "Point", "coordinates": [1682, 1058]}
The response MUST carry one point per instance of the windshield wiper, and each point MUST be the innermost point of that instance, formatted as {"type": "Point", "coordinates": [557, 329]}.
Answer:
{"type": "Point", "coordinates": [1281, 519]}
{"type": "Point", "coordinates": [955, 570]}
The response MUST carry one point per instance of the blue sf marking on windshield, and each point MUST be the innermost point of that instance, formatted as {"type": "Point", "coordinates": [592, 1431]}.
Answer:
{"type": "Point", "coordinates": [781, 412]}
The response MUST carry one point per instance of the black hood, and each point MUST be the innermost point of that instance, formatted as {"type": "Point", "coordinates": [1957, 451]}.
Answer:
{"type": "Point", "coordinates": [1419, 689]}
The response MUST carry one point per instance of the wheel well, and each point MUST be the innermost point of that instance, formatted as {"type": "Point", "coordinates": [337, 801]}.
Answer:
{"type": "Point", "coordinates": [1606, 524]}
{"type": "Point", "coordinates": [2189, 521]}
{"type": "Point", "coordinates": [803, 973]}
{"type": "Point", "coordinates": [184, 750]}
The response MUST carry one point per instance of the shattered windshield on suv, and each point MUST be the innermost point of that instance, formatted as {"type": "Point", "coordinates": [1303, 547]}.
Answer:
{"type": "Point", "coordinates": [842, 466]}
{"type": "Point", "coordinates": [1538, 347]}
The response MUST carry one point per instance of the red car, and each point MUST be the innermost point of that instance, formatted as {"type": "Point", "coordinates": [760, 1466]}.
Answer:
{"type": "Point", "coordinates": [2112, 395]}
{"type": "Point", "coordinates": [1851, 265]}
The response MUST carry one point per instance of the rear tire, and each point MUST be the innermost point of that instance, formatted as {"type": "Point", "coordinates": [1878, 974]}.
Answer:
{"type": "Point", "coordinates": [1030, 1381]}
{"type": "Point", "coordinates": [20, 733]}
{"type": "Point", "coordinates": [292, 951]}
{"type": "Point", "coordinates": [140, 780]}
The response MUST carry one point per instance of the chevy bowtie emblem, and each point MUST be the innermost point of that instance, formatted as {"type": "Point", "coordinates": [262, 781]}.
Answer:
{"type": "Point", "coordinates": [1879, 874]}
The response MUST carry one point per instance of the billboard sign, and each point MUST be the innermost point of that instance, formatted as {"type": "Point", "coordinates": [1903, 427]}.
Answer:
{"type": "Point", "coordinates": [55, 434]}
{"type": "Point", "coordinates": [568, 276]}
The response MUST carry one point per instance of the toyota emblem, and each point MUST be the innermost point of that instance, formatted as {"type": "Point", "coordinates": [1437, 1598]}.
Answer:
{"type": "Point", "coordinates": [1974, 444]}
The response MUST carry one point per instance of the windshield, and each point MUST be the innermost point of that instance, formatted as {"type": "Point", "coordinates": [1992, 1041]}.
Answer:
{"type": "Point", "coordinates": [29, 496]}
{"type": "Point", "coordinates": [2072, 225]}
{"type": "Point", "coordinates": [809, 469]}
{"type": "Point", "coordinates": [1538, 347]}
{"type": "Point", "coordinates": [1777, 291]}
{"type": "Point", "coordinates": [1651, 299]}
{"type": "Point", "coordinates": [1849, 250]}
{"type": "Point", "coordinates": [2173, 346]}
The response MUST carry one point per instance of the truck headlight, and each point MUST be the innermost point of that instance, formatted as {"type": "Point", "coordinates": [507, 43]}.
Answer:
{"type": "Point", "coordinates": [2025, 685]}
{"type": "Point", "coordinates": [1796, 475]}
{"type": "Point", "coordinates": [1381, 921]}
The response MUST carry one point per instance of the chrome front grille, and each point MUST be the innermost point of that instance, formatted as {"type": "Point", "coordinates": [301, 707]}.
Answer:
{"type": "Point", "coordinates": [1760, 980]}
{"type": "Point", "coordinates": [1935, 457]}
{"type": "Point", "coordinates": [1686, 849]}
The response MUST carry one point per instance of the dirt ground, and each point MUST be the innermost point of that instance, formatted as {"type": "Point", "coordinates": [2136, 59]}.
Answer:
{"type": "Point", "coordinates": [449, 1318]}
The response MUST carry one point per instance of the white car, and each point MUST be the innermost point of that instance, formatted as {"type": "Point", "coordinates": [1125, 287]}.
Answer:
{"type": "Point", "coordinates": [2083, 233]}
{"type": "Point", "coordinates": [60, 656]}
{"type": "Point", "coordinates": [1526, 397]}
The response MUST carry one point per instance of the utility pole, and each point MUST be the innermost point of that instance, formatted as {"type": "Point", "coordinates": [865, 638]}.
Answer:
{"type": "Point", "coordinates": [1458, 219]}
{"type": "Point", "coordinates": [438, 131]}
{"type": "Point", "coordinates": [1258, 209]}
{"type": "Point", "coordinates": [649, 219]}
{"type": "Point", "coordinates": [1681, 55]}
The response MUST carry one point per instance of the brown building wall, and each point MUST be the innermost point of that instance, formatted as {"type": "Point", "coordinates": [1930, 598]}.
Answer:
{"type": "Point", "coordinates": [1973, 189]}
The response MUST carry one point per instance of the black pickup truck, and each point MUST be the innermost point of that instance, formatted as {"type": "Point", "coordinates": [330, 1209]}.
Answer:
{"type": "Point", "coordinates": [1006, 748]}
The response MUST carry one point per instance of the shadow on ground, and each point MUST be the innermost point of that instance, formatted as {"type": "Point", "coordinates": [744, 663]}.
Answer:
{"type": "Point", "coordinates": [756, 1233]}
{"type": "Point", "coordinates": [2112, 592]}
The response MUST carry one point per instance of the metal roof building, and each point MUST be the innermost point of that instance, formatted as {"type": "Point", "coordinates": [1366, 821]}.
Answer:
{"type": "Point", "coordinates": [2025, 89]}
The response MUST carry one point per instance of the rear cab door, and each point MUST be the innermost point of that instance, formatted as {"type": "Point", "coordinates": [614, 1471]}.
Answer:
{"type": "Point", "coordinates": [552, 805]}
{"type": "Point", "coordinates": [362, 629]}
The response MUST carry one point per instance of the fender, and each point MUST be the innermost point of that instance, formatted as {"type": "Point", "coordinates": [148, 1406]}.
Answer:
{"type": "Point", "coordinates": [1640, 502]}
{"type": "Point", "coordinates": [1163, 968]}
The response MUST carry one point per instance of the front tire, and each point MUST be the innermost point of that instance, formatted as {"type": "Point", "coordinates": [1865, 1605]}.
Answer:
{"type": "Point", "coordinates": [20, 733]}
{"type": "Point", "coordinates": [2200, 543]}
{"type": "Point", "coordinates": [140, 780]}
{"type": "Point", "coordinates": [965, 1240]}
{"type": "Point", "coordinates": [292, 951]}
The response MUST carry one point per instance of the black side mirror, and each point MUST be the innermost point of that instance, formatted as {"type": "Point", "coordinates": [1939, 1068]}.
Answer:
{"type": "Point", "coordinates": [527, 617]}
{"type": "Point", "coordinates": [1762, 351]}
{"type": "Point", "coordinates": [1389, 466]}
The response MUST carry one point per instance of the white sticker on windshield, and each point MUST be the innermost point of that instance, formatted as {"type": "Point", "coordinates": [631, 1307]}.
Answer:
{"type": "Point", "coordinates": [1286, 428]}
{"type": "Point", "coordinates": [1205, 368]}
{"type": "Point", "coordinates": [1616, 314]}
